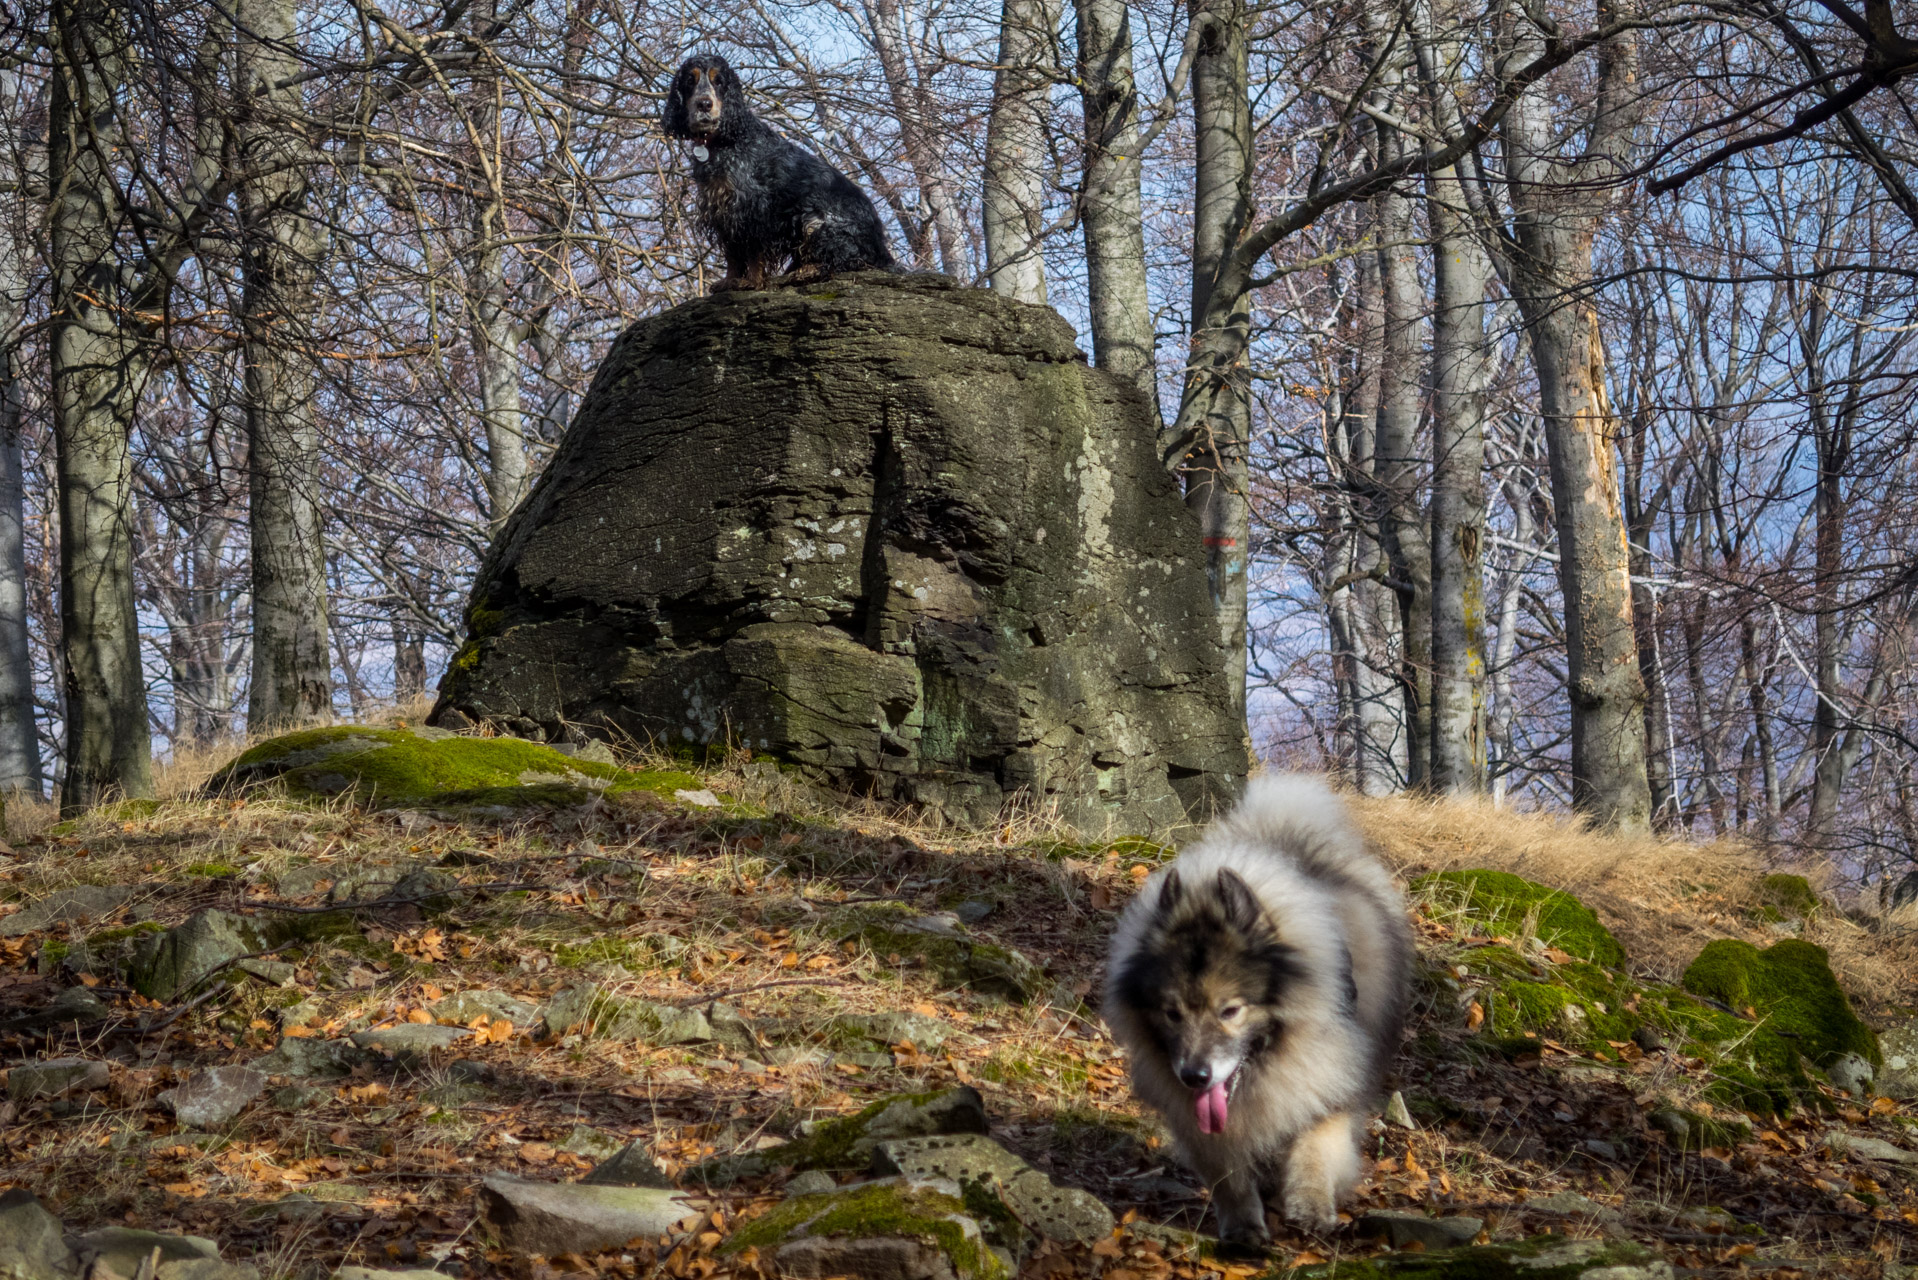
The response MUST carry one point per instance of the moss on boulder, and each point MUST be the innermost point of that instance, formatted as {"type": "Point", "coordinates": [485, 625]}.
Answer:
{"type": "Point", "coordinates": [894, 1227]}
{"type": "Point", "coordinates": [434, 769]}
{"type": "Point", "coordinates": [1801, 1009]}
{"type": "Point", "coordinates": [1505, 906]}
{"type": "Point", "coordinates": [847, 1143]}
{"type": "Point", "coordinates": [1789, 894]}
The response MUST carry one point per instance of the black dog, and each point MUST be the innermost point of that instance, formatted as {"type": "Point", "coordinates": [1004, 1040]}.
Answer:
{"type": "Point", "coordinates": [766, 201]}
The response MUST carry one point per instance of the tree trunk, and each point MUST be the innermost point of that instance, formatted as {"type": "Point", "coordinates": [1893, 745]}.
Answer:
{"type": "Point", "coordinates": [1016, 149]}
{"type": "Point", "coordinates": [292, 676]}
{"type": "Point", "coordinates": [1556, 209]}
{"type": "Point", "coordinates": [1111, 207]}
{"type": "Point", "coordinates": [919, 129]}
{"type": "Point", "coordinates": [98, 370]}
{"type": "Point", "coordinates": [19, 743]}
{"type": "Point", "coordinates": [1399, 471]}
{"type": "Point", "coordinates": [409, 663]}
{"type": "Point", "coordinates": [1216, 467]}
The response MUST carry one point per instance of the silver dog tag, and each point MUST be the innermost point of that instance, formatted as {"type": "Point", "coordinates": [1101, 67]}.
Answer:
{"type": "Point", "coordinates": [700, 153]}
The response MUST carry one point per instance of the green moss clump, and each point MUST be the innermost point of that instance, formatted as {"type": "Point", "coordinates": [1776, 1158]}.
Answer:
{"type": "Point", "coordinates": [1790, 894]}
{"type": "Point", "coordinates": [1790, 985]}
{"type": "Point", "coordinates": [397, 767]}
{"type": "Point", "coordinates": [876, 1209]}
{"type": "Point", "coordinates": [1502, 903]}
{"type": "Point", "coordinates": [210, 870]}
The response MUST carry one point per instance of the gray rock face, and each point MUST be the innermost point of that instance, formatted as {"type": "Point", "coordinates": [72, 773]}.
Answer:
{"type": "Point", "coordinates": [31, 1247]}
{"type": "Point", "coordinates": [1864, 1147]}
{"type": "Point", "coordinates": [554, 1218]}
{"type": "Point", "coordinates": [80, 902]}
{"type": "Point", "coordinates": [55, 1077]}
{"type": "Point", "coordinates": [411, 1037]}
{"type": "Point", "coordinates": [590, 1011]}
{"type": "Point", "coordinates": [887, 529]}
{"type": "Point", "coordinates": [214, 1096]}
{"type": "Point", "coordinates": [166, 964]}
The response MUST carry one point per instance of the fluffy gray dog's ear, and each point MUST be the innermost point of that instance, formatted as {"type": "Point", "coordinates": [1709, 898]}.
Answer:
{"type": "Point", "coordinates": [1170, 891]}
{"type": "Point", "coordinates": [1242, 909]}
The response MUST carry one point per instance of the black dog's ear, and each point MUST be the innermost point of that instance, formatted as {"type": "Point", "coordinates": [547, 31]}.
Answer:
{"type": "Point", "coordinates": [1171, 889]}
{"type": "Point", "coordinates": [673, 118]}
{"type": "Point", "coordinates": [1242, 909]}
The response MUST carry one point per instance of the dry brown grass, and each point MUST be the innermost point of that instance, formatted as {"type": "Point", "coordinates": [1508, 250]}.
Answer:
{"type": "Point", "coordinates": [1664, 897]}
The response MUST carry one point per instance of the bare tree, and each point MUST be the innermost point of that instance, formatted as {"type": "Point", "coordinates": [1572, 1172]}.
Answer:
{"type": "Point", "coordinates": [1111, 204]}
{"type": "Point", "coordinates": [19, 745]}
{"type": "Point", "coordinates": [1016, 152]}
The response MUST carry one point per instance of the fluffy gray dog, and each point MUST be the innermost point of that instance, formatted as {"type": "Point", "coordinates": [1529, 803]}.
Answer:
{"type": "Point", "coordinates": [1258, 985]}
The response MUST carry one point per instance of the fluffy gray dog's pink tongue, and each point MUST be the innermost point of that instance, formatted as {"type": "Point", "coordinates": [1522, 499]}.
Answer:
{"type": "Point", "coordinates": [1211, 1105]}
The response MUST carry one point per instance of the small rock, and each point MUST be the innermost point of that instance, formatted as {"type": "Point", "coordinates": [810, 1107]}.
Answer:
{"type": "Point", "coordinates": [1601, 1148]}
{"type": "Point", "coordinates": [1063, 1214]}
{"type": "Point", "coordinates": [298, 1097]}
{"type": "Point", "coordinates": [554, 1218]}
{"type": "Point", "coordinates": [1708, 1220]}
{"type": "Point", "coordinates": [167, 965]}
{"type": "Point", "coordinates": [119, 1251]}
{"type": "Point", "coordinates": [80, 902]}
{"type": "Point", "coordinates": [888, 1029]}
{"type": "Point", "coordinates": [811, 1182]}
{"type": "Point", "coordinates": [847, 1143]}
{"type": "Point", "coordinates": [1649, 1039]}
{"type": "Point", "coordinates": [584, 1140]}
{"type": "Point", "coordinates": [1402, 1230]}
{"type": "Point", "coordinates": [586, 1008]}
{"type": "Point", "coordinates": [1396, 1112]}
{"type": "Point", "coordinates": [56, 1077]}
{"type": "Point", "coordinates": [1574, 1205]}
{"type": "Point", "coordinates": [275, 973]}
{"type": "Point", "coordinates": [206, 1269]}
{"type": "Point", "coordinates": [1862, 1147]}
{"type": "Point", "coordinates": [470, 1071]}
{"type": "Point", "coordinates": [373, 1273]}
{"type": "Point", "coordinates": [630, 1166]}
{"type": "Point", "coordinates": [31, 1247]}
{"type": "Point", "coordinates": [410, 1037]}
{"type": "Point", "coordinates": [428, 889]}
{"type": "Point", "coordinates": [214, 1096]}
{"type": "Point", "coordinates": [308, 1057]}
{"type": "Point", "coordinates": [701, 799]}
{"type": "Point", "coordinates": [1899, 1079]}
{"type": "Point", "coordinates": [912, 1235]}
{"type": "Point", "coordinates": [75, 1004]}
{"type": "Point", "coordinates": [462, 1007]}
{"type": "Point", "coordinates": [973, 910]}
{"type": "Point", "coordinates": [1852, 1073]}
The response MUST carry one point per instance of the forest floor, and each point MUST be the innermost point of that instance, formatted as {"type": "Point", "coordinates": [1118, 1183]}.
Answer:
{"type": "Point", "coordinates": [666, 902]}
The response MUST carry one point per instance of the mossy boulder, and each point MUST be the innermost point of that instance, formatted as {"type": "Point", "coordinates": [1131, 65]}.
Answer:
{"type": "Point", "coordinates": [1801, 1009]}
{"type": "Point", "coordinates": [889, 531]}
{"type": "Point", "coordinates": [434, 769]}
{"type": "Point", "coordinates": [944, 945]}
{"type": "Point", "coordinates": [587, 1010]}
{"type": "Point", "coordinates": [897, 1227]}
{"type": "Point", "coordinates": [1540, 1258]}
{"type": "Point", "coordinates": [1507, 906]}
{"type": "Point", "coordinates": [1789, 895]}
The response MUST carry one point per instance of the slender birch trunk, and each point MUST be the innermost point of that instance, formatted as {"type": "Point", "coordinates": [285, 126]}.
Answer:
{"type": "Point", "coordinates": [99, 370]}
{"type": "Point", "coordinates": [1016, 167]}
{"type": "Point", "coordinates": [1216, 467]}
{"type": "Point", "coordinates": [292, 676]}
{"type": "Point", "coordinates": [915, 110]}
{"type": "Point", "coordinates": [19, 743]}
{"type": "Point", "coordinates": [1111, 208]}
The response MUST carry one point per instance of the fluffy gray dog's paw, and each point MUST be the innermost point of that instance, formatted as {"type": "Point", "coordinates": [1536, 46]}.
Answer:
{"type": "Point", "coordinates": [1312, 1211]}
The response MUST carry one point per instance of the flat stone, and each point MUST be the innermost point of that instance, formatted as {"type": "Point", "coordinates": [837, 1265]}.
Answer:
{"type": "Point", "coordinates": [700, 799]}
{"type": "Point", "coordinates": [214, 1096]}
{"type": "Point", "coordinates": [630, 1166]}
{"type": "Point", "coordinates": [462, 1007]}
{"type": "Point", "coordinates": [31, 1246]}
{"type": "Point", "coordinates": [56, 1077]}
{"type": "Point", "coordinates": [373, 1273]}
{"type": "Point", "coordinates": [554, 1218]}
{"type": "Point", "coordinates": [1064, 1214]}
{"type": "Point", "coordinates": [1573, 1205]}
{"type": "Point", "coordinates": [848, 1142]}
{"type": "Point", "coordinates": [167, 965]}
{"type": "Point", "coordinates": [591, 1011]}
{"type": "Point", "coordinates": [1863, 1147]}
{"type": "Point", "coordinates": [298, 1097]}
{"type": "Point", "coordinates": [80, 902]}
{"type": "Point", "coordinates": [75, 1004]}
{"type": "Point", "coordinates": [811, 1182]}
{"type": "Point", "coordinates": [1397, 1113]}
{"type": "Point", "coordinates": [1402, 1230]}
{"type": "Point", "coordinates": [584, 1140]}
{"type": "Point", "coordinates": [309, 1057]}
{"type": "Point", "coordinates": [1899, 1079]}
{"type": "Point", "coordinates": [206, 1269]}
{"type": "Point", "coordinates": [410, 1037]}
{"type": "Point", "coordinates": [912, 1236]}
{"type": "Point", "coordinates": [1852, 1073]}
{"type": "Point", "coordinates": [121, 1250]}
{"type": "Point", "coordinates": [888, 1029]}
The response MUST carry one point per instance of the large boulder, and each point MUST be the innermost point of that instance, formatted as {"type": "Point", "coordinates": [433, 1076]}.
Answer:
{"type": "Point", "coordinates": [885, 529]}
